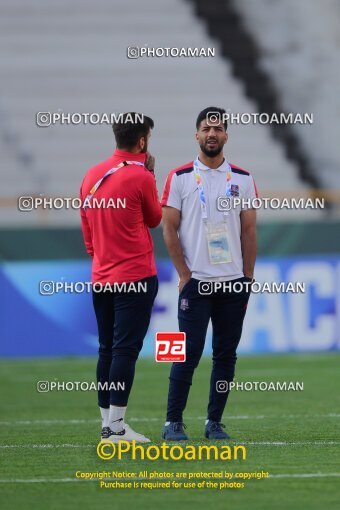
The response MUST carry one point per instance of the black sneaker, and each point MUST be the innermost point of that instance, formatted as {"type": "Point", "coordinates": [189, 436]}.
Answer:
{"type": "Point", "coordinates": [214, 430]}
{"type": "Point", "coordinates": [174, 431]}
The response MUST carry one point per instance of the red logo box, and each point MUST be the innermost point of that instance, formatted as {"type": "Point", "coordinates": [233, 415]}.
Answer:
{"type": "Point", "coordinates": [170, 347]}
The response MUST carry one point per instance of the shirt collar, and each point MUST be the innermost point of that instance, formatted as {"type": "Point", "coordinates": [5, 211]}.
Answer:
{"type": "Point", "coordinates": [224, 167]}
{"type": "Point", "coordinates": [130, 156]}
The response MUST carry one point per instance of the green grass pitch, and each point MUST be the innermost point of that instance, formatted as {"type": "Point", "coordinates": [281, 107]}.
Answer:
{"type": "Point", "coordinates": [295, 436]}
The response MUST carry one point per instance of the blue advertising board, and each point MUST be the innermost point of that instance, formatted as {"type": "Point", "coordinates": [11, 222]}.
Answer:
{"type": "Point", "coordinates": [63, 323]}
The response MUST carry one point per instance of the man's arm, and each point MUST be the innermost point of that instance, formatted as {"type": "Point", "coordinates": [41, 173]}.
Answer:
{"type": "Point", "coordinates": [86, 230]}
{"type": "Point", "coordinates": [171, 222]}
{"type": "Point", "coordinates": [152, 211]}
{"type": "Point", "coordinates": [248, 241]}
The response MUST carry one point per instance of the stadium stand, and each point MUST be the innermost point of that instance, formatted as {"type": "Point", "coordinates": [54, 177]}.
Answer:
{"type": "Point", "coordinates": [79, 68]}
{"type": "Point", "coordinates": [300, 45]}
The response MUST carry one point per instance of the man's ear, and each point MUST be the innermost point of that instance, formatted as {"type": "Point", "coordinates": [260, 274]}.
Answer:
{"type": "Point", "coordinates": [141, 143]}
{"type": "Point", "coordinates": [196, 136]}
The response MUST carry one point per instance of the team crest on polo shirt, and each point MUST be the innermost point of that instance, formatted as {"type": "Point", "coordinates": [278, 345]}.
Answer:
{"type": "Point", "coordinates": [184, 304]}
{"type": "Point", "coordinates": [235, 191]}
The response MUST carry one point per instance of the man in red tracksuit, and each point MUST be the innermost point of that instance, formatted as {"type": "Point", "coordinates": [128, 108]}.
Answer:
{"type": "Point", "coordinates": [120, 204]}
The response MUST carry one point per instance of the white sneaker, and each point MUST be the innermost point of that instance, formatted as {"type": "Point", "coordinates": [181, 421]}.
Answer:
{"type": "Point", "coordinates": [127, 434]}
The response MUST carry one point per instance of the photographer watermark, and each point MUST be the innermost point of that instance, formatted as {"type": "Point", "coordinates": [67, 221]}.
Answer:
{"type": "Point", "coordinates": [228, 203]}
{"type": "Point", "coordinates": [144, 51]}
{"type": "Point", "coordinates": [47, 386]}
{"type": "Point", "coordinates": [225, 386]}
{"type": "Point", "coordinates": [214, 118]}
{"type": "Point", "coordinates": [206, 288]}
{"type": "Point", "coordinates": [107, 450]}
{"type": "Point", "coordinates": [46, 119]}
{"type": "Point", "coordinates": [31, 203]}
{"type": "Point", "coordinates": [50, 287]}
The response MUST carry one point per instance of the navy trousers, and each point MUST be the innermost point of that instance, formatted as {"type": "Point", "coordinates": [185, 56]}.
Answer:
{"type": "Point", "coordinates": [123, 320]}
{"type": "Point", "coordinates": [226, 311]}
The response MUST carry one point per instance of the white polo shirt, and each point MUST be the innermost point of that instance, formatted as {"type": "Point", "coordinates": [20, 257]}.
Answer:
{"type": "Point", "coordinates": [181, 192]}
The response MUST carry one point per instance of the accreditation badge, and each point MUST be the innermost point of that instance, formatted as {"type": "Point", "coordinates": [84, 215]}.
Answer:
{"type": "Point", "coordinates": [218, 244]}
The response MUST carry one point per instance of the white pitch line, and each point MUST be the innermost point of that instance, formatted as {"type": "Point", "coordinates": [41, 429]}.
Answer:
{"type": "Point", "coordinates": [252, 443]}
{"type": "Point", "coordinates": [290, 443]}
{"type": "Point", "coordinates": [150, 420]}
{"type": "Point", "coordinates": [306, 475]}
{"type": "Point", "coordinates": [48, 422]}
{"type": "Point", "coordinates": [77, 480]}
{"type": "Point", "coordinates": [4, 446]}
{"type": "Point", "coordinates": [45, 480]}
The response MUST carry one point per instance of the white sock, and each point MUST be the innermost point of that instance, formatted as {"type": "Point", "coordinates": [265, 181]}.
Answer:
{"type": "Point", "coordinates": [105, 416]}
{"type": "Point", "coordinates": [116, 418]}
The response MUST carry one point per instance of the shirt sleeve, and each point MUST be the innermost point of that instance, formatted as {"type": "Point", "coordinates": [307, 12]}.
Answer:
{"type": "Point", "coordinates": [171, 194]}
{"type": "Point", "coordinates": [152, 211]}
{"type": "Point", "coordinates": [87, 236]}
{"type": "Point", "coordinates": [250, 192]}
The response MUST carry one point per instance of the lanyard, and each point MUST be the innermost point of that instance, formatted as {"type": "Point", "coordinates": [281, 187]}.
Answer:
{"type": "Point", "coordinates": [109, 172]}
{"type": "Point", "coordinates": [198, 178]}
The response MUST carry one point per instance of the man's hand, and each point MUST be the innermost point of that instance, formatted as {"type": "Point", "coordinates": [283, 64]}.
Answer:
{"type": "Point", "coordinates": [250, 277]}
{"type": "Point", "coordinates": [183, 279]}
{"type": "Point", "coordinates": [150, 162]}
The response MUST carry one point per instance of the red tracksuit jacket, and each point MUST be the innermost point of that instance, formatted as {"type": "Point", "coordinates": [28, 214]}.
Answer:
{"type": "Point", "coordinates": [118, 239]}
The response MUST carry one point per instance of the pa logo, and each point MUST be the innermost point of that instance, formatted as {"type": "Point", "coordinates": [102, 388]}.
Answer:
{"type": "Point", "coordinates": [170, 346]}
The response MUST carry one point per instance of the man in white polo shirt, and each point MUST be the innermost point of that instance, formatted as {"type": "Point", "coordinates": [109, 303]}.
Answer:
{"type": "Point", "coordinates": [213, 247]}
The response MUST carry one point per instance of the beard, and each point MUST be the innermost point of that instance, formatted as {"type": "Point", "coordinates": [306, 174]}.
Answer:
{"type": "Point", "coordinates": [211, 153]}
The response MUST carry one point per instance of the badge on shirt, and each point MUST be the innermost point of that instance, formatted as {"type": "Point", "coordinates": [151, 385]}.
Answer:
{"type": "Point", "coordinates": [234, 190]}
{"type": "Point", "coordinates": [218, 244]}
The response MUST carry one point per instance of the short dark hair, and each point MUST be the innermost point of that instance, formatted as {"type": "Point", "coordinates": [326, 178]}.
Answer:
{"type": "Point", "coordinates": [211, 109]}
{"type": "Point", "coordinates": [130, 128]}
